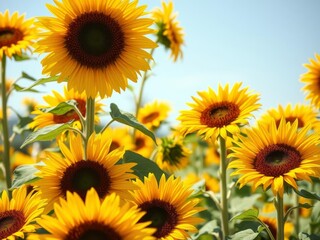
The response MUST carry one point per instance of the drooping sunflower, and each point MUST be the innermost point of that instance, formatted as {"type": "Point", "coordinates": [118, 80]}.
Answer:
{"type": "Point", "coordinates": [219, 114]}
{"type": "Point", "coordinates": [168, 205]}
{"type": "Point", "coordinates": [43, 119]}
{"type": "Point", "coordinates": [169, 32]}
{"type": "Point", "coordinates": [71, 172]}
{"type": "Point", "coordinates": [16, 34]}
{"type": "Point", "coordinates": [172, 154]}
{"type": "Point", "coordinates": [17, 216]}
{"type": "Point", "coordinates": [273, 156]}
{"type": "Point", "coordinates": [153, 114]}
{"type": "Point", "coordinates": [305, 114]}
{"type": "Point", "coordinates": [311, 79]}
{"type": "Point", "coordinates": [76, 218]}
{"type": "Point", "coordinates": [96, 45]}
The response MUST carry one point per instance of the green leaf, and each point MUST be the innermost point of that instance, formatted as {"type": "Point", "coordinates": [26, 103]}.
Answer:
{"type": "Point", "coordinates": [144, 165]}
{"type": "Point", "coordinates": [47, 133]}
{"type": "Point", "coordinates": [22, 125]}
{"type": "Point", "coordinates": [240, 204]}
{"type": "Point", "coordinates": [20, 89]}
{"type": "Point", "coordinates": [22, 57]}
{"type": "Point", "coordinates": [130, 120]}
{"type": "Point", "coordinates": [61, 108]}
{"type": "Point", "coordinates": [40, 82]}
{"type": "Point", "coordinates": [247, 234]}
{"type": "Point", "coordinates": [207, 228]}
{"type": "Point", "coordinates": [306, 194]}
{"type": "Point", "coordinates": [250, 214]}
{"type": "Point", "coordinates": [25, 174]}
{"type": "Point", "coordinates": [306, 236]}
{"type": "Point", "coordinates": [27, 76]}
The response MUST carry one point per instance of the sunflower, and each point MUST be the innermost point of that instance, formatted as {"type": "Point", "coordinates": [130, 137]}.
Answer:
{"type": "Point", "coordinates": [17, 215]}
{"type": "Point", "coordinates": [169, 33]}
{"type": "Point", "coordinates": [153, 114]}
{"type": "Point", "coordinates": [143, 145]}
{"type": "Point", "coordinates": [94, 219]}
{"type": "Point", "coordinates": [215, 115]}
{"type": "Point", "coordinates": [311, 79]}
{"type": "Point", "coordinates": [71, 172]}
{"type": "Point", "coordinates": [168, 205]}
{"type": "Point", "coordinates": [172, 155]}
{"type": "Point", "coordinates": [43, 119]}
{"type": "Point", "coordinates": [120, 138]}
{"type": "Point", "coordinates": [30, 104]}
{"type": "Point", "coordinates": [272, 224]}
{"type": "Point", "coordinates": [305, 114]}
{"type": "Point", "coordinates": [16, 34]}
{"type": "Point", "coordinates": [96, 45]}
{"type": "Point", "coordinates": [211, 182]}
{"type": "Point", "coordinates": [274, 156]}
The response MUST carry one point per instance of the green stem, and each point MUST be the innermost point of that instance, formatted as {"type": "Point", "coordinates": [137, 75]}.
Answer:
{"type": "Point", "coordinates": [5, 127]}
{"type": "Point", "coordinates": [89, 123]}
{"type": "Point", "coordinates": [224, 188]}
{"type": "Point", "coordinates": [280, 217]}
{"type": "Point", "coordinates": [296, 215]}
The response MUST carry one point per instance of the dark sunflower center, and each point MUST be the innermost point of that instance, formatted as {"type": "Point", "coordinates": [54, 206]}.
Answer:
{"type": "Point", "coordinates": [173, 154]}
{"type": "Point", "coordinates": [114, 145]}
{"type": "Point", "coordinates": [139, 143]}
{"type": "Point", "coordinates": [83, 175]}
{"type": "Point", "coordinates": [9, 36]}
{"type": "Point", "coordinates": [219, 114]}
{"type": "Point", "coordinates": [291, 120]}
{"type": "Point", "coordinates": [11, 221]}
{"type": "Point", "coordinates": [150, 117]}
{"type": "Point", "coordinates": [92, 231]}
{"type": "Point", "coordinates": [71, 115]}
{"type": "Point", "coordinates": [94, 40]}
{"type": "Point", "coordinates": [163, 216]}
{"type": "Point", "coordinates": [276, 160]}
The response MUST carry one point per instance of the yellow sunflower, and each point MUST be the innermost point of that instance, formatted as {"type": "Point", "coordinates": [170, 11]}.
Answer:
{"type": "Point", "coordinates": [272, 224]}
{"type": "Point", "coordinates": [219, 114]}
{"type": "Point", "coordinates": [43, 119]}
{"type": "Point", "coordinates": [272, 156]}
{"type": "Point", "coordinates": [153, 114]}
{"type": "Point", "coordinates": [96, 45]}
{"type": "Point", "coordinates": [143, 145]}
{"type": "Point", "coordinates": [94, 219]}
{"type": "Point", "coordinates": [211, 182]}
{"type": "Point", "coordinates": [121, 138]}
{"type": "Point", "coordinates": [17, 216]}
{"type": "Point", "coordinates": [71, 172]}
{"type": "Point", "coordinates": [168, 205]}
{"type": "Point", "coordinates": [16, 34]}
{"type": "Point", "coordinates": [311, 79]}
{"type": "Point", "coordinates": [305, 114]}
{"type": "Point", "coordinates": [172, 155]}
{"type": "Point", "coordinates": [169, 33]}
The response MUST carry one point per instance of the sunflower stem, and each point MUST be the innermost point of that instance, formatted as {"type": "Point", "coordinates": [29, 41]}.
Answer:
{"type": "Point", "coordinates": [89, 124]}
{"type": "Point", "coordinates": [224, 188]}
{"type": "Point", "coordinates": [280, 217]}
{"type": "Point", "coordinates": [296, 215]}
{"type": "Point", "coordinates": [5, 126]}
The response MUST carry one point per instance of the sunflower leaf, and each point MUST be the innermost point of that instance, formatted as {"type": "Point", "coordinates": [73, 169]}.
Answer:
{"type": "Point", "coordinates": [19, 88]}
{"type": "Point", "coordinates": [27, 76]}
{"type": "Point", "coordinates": [310, 195]}
{"type": "Point", "coordinates": [247, 234]}
{"type": "Point", "coordinates": [130, 120]}
{"type": "Point", "coordinates": [61, 108]}
{"type": "Point", "coordinates": [250, 214]}
{"type": "Point", "coordinates": [40, 82]}
{"type": "Point", "coordinates": [25, 174]}
{"type": "Point", "coordinates": [22, 57]}
{"type": "Point", "coordinates": [144, 166]}
{"type": "Point", "coordinates": [46, 133]}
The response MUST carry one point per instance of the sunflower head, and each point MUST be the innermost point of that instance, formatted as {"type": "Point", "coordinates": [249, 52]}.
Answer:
{"type": "Point", "coordinates": [311, 79]}
{"type": "Point", "coordinates": [96, 46]}
{"type": "Point", "coordinates": [274, 156]}
{"type": "Point", "coordinates": [169, 32]}
{"type": "Point", "coordinates": [219, 114]}
{"type": "Point", "coordinates": [16, 34]}
{"type": "Point", "coordinates": [168, 206]}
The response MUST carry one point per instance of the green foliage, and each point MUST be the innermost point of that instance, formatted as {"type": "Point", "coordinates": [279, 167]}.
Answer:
{"type": "Point", "coordinates": [130, 120]}
{"type": "Point", "coordinates": [61, 108]}
{"type": "Point", "coordinates": [250, 214]}
{"type": "Point", "coordinates": [306, 194]}
{"type": "Point", "coordinates": [24, 174]}
{"type": "Point", "coordinates": [40, 82]}
{"type": "Point", "coordinates": [22, 57]}
{"type": "Point", "coordinates": [247, 234]}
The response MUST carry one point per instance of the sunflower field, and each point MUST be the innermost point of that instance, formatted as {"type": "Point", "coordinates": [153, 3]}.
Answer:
{"type": "Point", "coordinates": [80, 167]}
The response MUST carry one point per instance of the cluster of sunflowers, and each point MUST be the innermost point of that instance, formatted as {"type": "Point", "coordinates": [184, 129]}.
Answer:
{"type": "Point", "coordinates": [214, 176]}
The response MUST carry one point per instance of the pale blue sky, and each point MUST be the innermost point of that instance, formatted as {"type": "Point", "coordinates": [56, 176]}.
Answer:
{"type": "Point", "coordinates": [262, 43]}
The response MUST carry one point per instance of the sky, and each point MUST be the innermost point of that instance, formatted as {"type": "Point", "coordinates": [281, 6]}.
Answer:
{"type": "Point", "coordinates": [263, 44]}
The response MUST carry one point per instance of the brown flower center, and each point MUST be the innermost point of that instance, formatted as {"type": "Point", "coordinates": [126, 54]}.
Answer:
{"type": "Point", "coordinates": [11, 221]}
{"type": "Point", "coordinates": [92, 230]}
{"type": "Point", "coordinates": [219, 114]}
{"type": "Point", "coordinates": [150, 117]}
{"type": "Point", "coordinates": [83, 175]}
{"type": "Point", "coordinates": [95, 40]}
{"type": "Point", "coordinates": [276, 160]}
{"type": "Point", "coordinates": [114, 145]}
{"type": "Point", "coordinates": [71, 115]}
{"type": "Point", "coordinates": [139, 143]}
{"type": "Point", "coordinates": [291, 120]}
{"type": "Point", "coordinates": [9, 36]}
{"type": "Point", "coordinates": [163, 216]}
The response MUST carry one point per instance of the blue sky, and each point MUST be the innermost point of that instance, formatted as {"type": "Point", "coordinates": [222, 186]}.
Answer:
{"type": "Point", "coordinates": [261, 43]}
